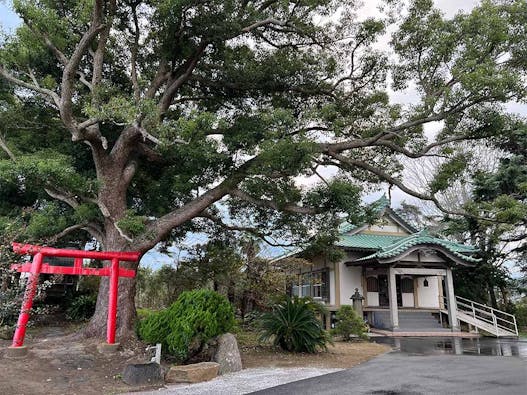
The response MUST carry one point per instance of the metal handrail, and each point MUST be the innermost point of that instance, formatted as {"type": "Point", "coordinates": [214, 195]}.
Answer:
{"type": "Point", "coordinates": [492, 314]}
{"type": "Point", "coordinates": [478, 314]}
{"type": "Point", "coordinates": [485, 306]}
{"type": "Point", "coordinates": [474, 309]}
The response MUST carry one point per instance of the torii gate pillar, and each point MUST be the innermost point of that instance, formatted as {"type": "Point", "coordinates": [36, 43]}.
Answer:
{"type": "Point", "coordinates": [114, 271]}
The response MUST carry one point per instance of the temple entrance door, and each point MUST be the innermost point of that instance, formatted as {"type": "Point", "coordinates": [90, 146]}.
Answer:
{"type": "Point", "coordinates": [383, 290]}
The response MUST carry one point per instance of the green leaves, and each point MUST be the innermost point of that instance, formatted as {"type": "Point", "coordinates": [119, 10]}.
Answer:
{"type": "Point", "coordinates": [132, 224]}
{"type": "Point", "coordinates": [47, 221]}
{"type": "Point", "coordinates": [188, 324]}
{"type": "Point", "coordinates": [293, 326]}
{"type": "Point", "coordinates": [284, 156]}
{"type": "Point", "coordinates": [45, 169]}
{"type": "Point", "coordinates": [339, 196]}
{"type": "Point", "coordinates": [448, 172]}
{"type": "Point", "coordinates": [349, 323]}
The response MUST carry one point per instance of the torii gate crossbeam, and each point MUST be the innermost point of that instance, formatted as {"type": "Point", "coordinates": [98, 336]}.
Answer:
{"type": "Point", "coordinates": [114, 271]}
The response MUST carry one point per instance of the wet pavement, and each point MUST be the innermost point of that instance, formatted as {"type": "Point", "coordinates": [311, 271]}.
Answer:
{"type": "Point", "coordinates": [502, 347]}
{"type": "Point", "coordinates": [428, 366]}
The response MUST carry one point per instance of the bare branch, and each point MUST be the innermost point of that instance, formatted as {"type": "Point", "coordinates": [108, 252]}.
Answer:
{"type": "Point", "coordinates": [174, 85]}
{"type": "Point", "coordinates": [68, 75]}
{"type": "Point", "coordinates": [265, 22]}
{"type": "Point", "coordinates": [134, 51]}
{"type": "Point", "coordinates": [246, 229]}
{"type": "Point", "coordinates": [4, 146]}
{"type": "Point", "coordinates": [90, 228]}
{"type": "Point", "coordinates": [69, 199]}
{"type": "Point", "coordinates": [89, 122]}
{"type": "Point", "coordinates": [57, 52]}
{"type": "Point", "coordinates": [394, 181]}
{"type": "Point", "coordinates": [160, 78]}
{"type": "Point", "coordinates": [289, 207]}
{"type": "Point", "coordinates": [9, 77]}
{"type": "Point", "coordinates": [123, 235]}
{"type": "Point", "coordinates": [82, 78]}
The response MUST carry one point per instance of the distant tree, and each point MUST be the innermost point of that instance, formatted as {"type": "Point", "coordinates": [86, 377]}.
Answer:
{"type": "Point", "coordinates": [491, 191]}
{"type": "Point", "coordinates": [182, 104]}
{"type": "Point", "coordinates": [498, 223]}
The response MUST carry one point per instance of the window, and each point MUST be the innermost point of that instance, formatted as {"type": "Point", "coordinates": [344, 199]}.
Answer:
{"type": "Point", "coordinates": [372, 284]}
{"type": "Point", "coordinates": [314, 284]}
{"type": "Point", "coordinates": [407, 285]}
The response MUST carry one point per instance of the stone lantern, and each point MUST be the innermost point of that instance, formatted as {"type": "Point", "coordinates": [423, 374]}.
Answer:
{"type": "Point", "coordinates": [357, 302]}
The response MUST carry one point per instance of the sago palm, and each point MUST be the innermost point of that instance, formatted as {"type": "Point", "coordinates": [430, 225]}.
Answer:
{"type": "Point", "coordinates": [293, 326]}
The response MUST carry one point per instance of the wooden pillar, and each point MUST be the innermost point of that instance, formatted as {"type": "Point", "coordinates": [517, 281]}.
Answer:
{"type": "Point", "coordinates": [416, 298]}
{"type": "Point", "coordinates": [441, 296]}
{"type": "Point", "coordinates": [451, 298]}
{"type": "Point", "coordinates": [392, 296]}
{"type": "Point", "coordinates": [364, 285]}
{"type": "Point", "coordinates": [337, 284]}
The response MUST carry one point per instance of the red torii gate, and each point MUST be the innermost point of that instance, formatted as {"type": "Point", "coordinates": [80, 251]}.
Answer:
{"type": "Point", "coordinates": [37, 266]}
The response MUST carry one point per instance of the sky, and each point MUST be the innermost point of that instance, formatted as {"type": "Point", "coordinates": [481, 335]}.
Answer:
{"type": "Point", "coordinates": [9, 21]}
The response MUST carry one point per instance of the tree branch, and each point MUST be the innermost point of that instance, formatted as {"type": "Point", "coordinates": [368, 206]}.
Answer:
{"type": "Point", "coordinates": [394, 181]}
{"type": "Point", "coordinates": [134, 51]}
{"type": "Point", "coordinates": [265, 22]}
{"type": "Point", "coordinates": [289, 207]}
{"type": "Point", "coordinates": [71, 229]}
{"type": "Point", "coordinates": [162, 75]}
{"type": "Point", "coordinates": [69, 199]}
{"type": "Point", "coordinates": [254, 231]}
{"type": "Point", "coordinates": [190, 65]}
{"type": "Point", "coordinates": [4, 146]}
{"type": "Point", "coordinates": [9, 77]}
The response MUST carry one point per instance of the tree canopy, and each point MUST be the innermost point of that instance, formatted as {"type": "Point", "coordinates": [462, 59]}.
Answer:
{"type": "Point", "coordinates": [131, 120]}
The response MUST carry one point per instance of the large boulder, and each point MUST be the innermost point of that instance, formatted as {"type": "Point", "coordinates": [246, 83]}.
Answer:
{"type": "Point", "coordinates": [193, 373]}
{"type": "Point", "coordinates": [143, 374]}
{"type": "Point", "coordinates": [227, 354]}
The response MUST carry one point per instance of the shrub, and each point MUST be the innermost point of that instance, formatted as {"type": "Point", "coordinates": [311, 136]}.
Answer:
{"type": "Point", "coordinates": [293, 326]}
{"type": "Point", "coordinates": [190, 322]}
{"type": "Point", "coordinates": [10, 302]}
{"type": "Point", "coordinates": [143, 313]}
{"type": "Point", "coordinates": [520, 311]}
{"type": "Point", "coordinates": [81, 308]}
{"type": "Point", "coordinates": [349, 323]}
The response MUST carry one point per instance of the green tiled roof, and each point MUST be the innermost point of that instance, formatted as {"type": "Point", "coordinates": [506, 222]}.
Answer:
{"type": "Point", "coordinates": [367, 241]}
{"type": "Point", "coordinates": [380, 204]}
{"type": "Point", "coordinates": [387, 246]}
{"type": "Point", "coordinates": [345, 227]}
{"type": "Point", "coordinates": [397, 247]}
{"type": "Point", "coordinates": [377, 207]}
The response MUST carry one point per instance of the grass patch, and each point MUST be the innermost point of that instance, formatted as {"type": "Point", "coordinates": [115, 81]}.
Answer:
{"type": "Point", "coordinates": [248, 339]}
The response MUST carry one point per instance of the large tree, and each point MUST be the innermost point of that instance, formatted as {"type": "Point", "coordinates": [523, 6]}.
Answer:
{"type": "Point", "coordinates": [172, 106]}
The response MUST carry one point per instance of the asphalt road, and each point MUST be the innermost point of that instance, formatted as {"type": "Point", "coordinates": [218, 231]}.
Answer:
{"type": "Point", "coordinates": [401, 373]}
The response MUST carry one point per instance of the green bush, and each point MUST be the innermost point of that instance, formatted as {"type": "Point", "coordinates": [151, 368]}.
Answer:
{"type": "Point", "coordinates": [190, 322]}
{"type": "Point", "coordinates": [520, 311]}
{"type": "Point", "coordinates": [293, 326]}
{"type": "Point", "coordinates": [143, 313]}
{"type": "Point", "coordinates": [81, 308]}
{"type": "Point", "coordinates": [10, 302]}
{"type": "Point", "coordinates": [349, 323]}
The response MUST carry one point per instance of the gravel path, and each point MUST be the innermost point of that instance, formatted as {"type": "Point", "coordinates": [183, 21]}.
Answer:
{"type": "Point", "coordinates": [244, 382]}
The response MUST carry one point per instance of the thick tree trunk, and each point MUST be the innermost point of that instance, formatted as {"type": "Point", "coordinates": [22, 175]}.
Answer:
{"type": "Point", "coordinates": [112, 196]}
{"type": "Point", "coordinates": [126, 313]}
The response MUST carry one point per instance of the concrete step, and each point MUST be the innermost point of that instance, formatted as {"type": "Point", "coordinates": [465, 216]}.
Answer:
{"type": "Point", "coordinates": [403, 329]}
